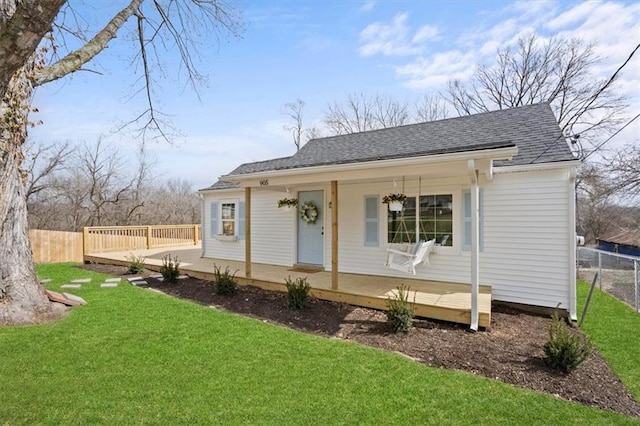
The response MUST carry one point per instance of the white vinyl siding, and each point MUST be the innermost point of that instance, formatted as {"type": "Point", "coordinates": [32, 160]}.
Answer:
{"type": "Point", "coordinates": [525, 229]}
{"type": "Point", "coordinates": [272, 229]}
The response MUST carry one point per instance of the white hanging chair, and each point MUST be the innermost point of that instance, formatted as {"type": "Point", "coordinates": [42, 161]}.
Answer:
{"type": "Point", "coordinates": [406, 261]}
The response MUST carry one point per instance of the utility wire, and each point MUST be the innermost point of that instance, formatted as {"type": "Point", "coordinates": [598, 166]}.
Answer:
{"type": "Point", "coordinates": [611, 137]}
{"type": "Point", "coordinates": [577, 115]}
{"type": "Point", "coordinates": [603, 88]}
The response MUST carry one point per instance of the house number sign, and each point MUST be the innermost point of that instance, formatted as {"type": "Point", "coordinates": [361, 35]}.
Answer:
{"type": "Point", "coordinates": [264, 182]}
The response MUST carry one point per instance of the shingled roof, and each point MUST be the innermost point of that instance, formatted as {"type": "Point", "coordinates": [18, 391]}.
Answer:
{"type": "Point", "coordinates": [533, 129]}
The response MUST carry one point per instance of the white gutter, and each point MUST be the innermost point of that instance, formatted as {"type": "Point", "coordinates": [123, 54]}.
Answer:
{"type": "Point", "coordinates": [573, 247]}
{"type": "Point", "coordinates": [475, 244]}
{"type": "Point", "coordinates": [493, 154]}
{"type": "Point", "coordinates": [536, 167]}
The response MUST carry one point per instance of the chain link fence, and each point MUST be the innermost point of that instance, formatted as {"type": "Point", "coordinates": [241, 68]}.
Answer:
{"type": "Point", "coordinates": [618, 274]}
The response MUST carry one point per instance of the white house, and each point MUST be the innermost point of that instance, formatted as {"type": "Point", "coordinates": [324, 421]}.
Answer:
{"type": "Point", "coordinates": [495, 190]}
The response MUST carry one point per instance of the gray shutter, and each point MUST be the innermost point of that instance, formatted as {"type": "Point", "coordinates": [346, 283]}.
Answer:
{"type": "Point", "coordinates": [466, 222]}
{"type": "Point", "coordinates": [240, 213]}
{"type": "Point", "coordinates": [214, 219]}
{"type": "Point", "coordinates": [371, 221]}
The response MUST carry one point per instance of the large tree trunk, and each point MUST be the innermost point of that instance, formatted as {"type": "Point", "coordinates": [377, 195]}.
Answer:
{"type": "Point", "coordinates": [22, 298]}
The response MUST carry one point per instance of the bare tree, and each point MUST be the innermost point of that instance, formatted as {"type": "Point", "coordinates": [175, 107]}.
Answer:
{"type": "Point", "coordinates": [558, 71]}
{"type": "Point", "coordinates": [624, 167]}
{"type": "Point", "coordinates": [23, 24]}
{"type": "Point", "coordinates": [175, 202]}
{"type": "Point", "coordinates": [596, 202]}
{"type": "Point", "coordinates": [431, 107]}
{"type": "Point", "coordinates": [295, 111]}
{"type": "Point", "coordinates": [41, 163]}
{"type": "Point", "coordinates": [361, 112]}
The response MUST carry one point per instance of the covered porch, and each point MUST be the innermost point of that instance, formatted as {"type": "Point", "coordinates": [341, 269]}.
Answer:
{"type": "Point", "coordinates": [432, 299]}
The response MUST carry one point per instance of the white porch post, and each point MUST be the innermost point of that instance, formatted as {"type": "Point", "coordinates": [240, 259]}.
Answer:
{"type": "Point", "coordinates": [247, 232]}
{"type": "Point", "coordinates": [475, 243]}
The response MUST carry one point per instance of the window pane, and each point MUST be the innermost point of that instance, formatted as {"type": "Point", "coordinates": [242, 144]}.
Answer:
{"type": "Point", "coordinates": [402, 225]}
{"type": "Point", "coordinates": [228, 227]}
{"type": "Point", "coordinates": [228, 211]}
{"type": "Point", "coordinates": [436, 218]}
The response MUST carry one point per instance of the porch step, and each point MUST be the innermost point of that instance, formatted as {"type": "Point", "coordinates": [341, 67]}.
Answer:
{"type": "Point", "coordinates": [309, 269]}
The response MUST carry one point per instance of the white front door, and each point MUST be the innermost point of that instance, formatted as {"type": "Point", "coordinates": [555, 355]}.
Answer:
{"type": "Point", "coordinates": [311, 235]}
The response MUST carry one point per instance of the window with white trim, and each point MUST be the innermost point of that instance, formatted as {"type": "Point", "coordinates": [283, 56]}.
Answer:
{"type": "Point", "coordinates": [228, 218]}
{"type": "Point", "coordinates": [432, 220]}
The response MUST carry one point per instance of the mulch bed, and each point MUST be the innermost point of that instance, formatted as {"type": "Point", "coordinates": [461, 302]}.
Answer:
{"type": "Point", "coordinates": [512, 351]}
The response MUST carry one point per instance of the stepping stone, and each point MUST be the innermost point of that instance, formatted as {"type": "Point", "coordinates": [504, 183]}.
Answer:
{"type": "Point", "coordinates": [108, 285]}
{"type": "Point", "coordinates": [112, 280]}
{"type": "Point", "coordinates": [74, 298]}
{"type": "Point", "coordinates": [183, 277]}
{"type": "Point", "coordinates": [45, 281]}
{"type": "Point", "coordinates": [132, 279]}
{"type": "Point", "coordinates": [81, 280]}
{"type": "Point", "coordinates": [139, 283]}
{"type": "Point", "coordinates": [156, 276]}
{"type": "Point", "coordinates": [160, 278]}
{"type": "Point", "coordinates": [71, 286]}
{"type": "Point", "coordinates": [61, 298]}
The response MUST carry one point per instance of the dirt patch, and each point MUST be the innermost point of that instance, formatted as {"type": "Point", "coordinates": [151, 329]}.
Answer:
{"type": "Point", "coordinates": [510, 352]}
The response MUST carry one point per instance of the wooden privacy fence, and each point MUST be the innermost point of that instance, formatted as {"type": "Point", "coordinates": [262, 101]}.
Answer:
{"type": "Point", "coordinates": [55, 246]}
{"type": "Point", "coordinates": [101, 239]}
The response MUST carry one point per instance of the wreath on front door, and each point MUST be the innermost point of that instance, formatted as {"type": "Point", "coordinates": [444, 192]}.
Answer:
{"type": "Point", "coordinates": [309, 212]}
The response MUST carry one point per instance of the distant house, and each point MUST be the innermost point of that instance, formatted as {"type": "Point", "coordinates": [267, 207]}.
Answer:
{"type": "Point", "coordinates": [494, 190]}
{"type": "Point", "coordinates": [624, 241]}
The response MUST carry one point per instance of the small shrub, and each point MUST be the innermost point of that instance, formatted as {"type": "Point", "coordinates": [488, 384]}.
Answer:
{"type": "Point", "coordinates": [225, 281]}
{"type": "Point", "coordinates": [400, 312]}
{"type": "Point", "coordinates": [170, 269]}
{"type": "Point", "coordinates": [297, 292]}
{"type": "Point", "coordinates": [564, 350]}
{"type": "Point", "coordinates": [136, 264]}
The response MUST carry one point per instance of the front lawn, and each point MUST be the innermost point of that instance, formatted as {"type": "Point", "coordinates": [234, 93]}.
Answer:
{"type": "Point", "coordinates": [615, 330]}
{"type": "Point", "coordinates": [134, 356]}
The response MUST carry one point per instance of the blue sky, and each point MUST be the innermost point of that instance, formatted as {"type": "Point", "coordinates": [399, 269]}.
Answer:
{"type": "Point", "coordinates": [318, 51]}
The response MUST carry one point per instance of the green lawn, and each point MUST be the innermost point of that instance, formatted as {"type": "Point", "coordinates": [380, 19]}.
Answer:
{"type": "Point", "coordinates": [615, 330]}
{"type": "Point", "coordinates": [133, 356]}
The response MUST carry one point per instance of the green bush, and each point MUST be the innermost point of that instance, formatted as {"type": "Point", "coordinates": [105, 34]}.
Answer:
{"type": "Point", "coordinates": [170, 269]}
{"type": "Point", "coordinates": [400, 312]}
{"type": "Point", "coordinates": [297, 292]}
{"type": "Point", "coordinates": [225, 281]}
{"type": "Point", "coordinates": [564, 350]}
{"type": "Point", "coordinates": [136, 264]}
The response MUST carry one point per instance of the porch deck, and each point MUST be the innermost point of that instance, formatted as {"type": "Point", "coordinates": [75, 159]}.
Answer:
{"type": "Point", "coordinates": [433, 299]}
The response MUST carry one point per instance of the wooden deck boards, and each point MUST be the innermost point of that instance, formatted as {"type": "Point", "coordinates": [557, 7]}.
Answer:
{"type": "Point", "coordinates": [433, 299]}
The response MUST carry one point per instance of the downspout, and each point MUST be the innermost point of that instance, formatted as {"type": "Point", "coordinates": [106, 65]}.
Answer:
{"type": "Point", "coordinates": [202, 228]}
{"type": "Point", "coordinates": [573, 246]}
{"type": "Point", "coordinates": [475, 240]}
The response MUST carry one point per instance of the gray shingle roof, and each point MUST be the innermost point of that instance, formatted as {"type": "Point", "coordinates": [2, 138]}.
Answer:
{"type": "Point", "coordinates": [532, 128]}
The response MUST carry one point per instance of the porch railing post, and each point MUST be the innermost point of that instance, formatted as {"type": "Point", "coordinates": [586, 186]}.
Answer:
{"type": "Point", "coordinates": [148, 237]}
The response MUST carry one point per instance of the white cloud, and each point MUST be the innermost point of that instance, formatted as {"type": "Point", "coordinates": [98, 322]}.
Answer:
{"type": "Point", "coordinates": [395, 38]}
{"type": "Point", "coordinates": [434, 72]}
{"type": "Point", "coordinates": [368, 6]}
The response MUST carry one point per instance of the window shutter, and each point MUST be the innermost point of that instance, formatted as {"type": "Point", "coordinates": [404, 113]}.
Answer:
{"type": "Point", "coordinates": [466, 223]}
{"type": "Point", "coordinates": [371, 221]}
{"type": "Point", "coordinates": [240, 220]}
{"type": "Point", "coordinates": [214, 219]}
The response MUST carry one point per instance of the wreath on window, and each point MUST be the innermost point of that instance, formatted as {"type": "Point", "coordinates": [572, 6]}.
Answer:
{"type": "Point", "coordinates": [309, 212]}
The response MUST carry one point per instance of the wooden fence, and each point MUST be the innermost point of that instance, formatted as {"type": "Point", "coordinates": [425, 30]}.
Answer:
{"type": "Point", "coordinates": [55, 246]}
{"type": "Point", "coordinates": [101, 239]}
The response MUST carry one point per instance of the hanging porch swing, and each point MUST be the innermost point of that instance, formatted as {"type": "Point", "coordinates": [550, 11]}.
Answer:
{"type": "Point", "coordinates": [403, 256]}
